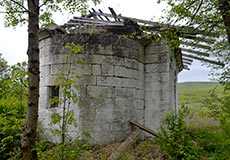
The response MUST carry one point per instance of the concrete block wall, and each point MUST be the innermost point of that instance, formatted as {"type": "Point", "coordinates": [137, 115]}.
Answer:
{"type": "Point", "coordinates": [121, 80]}
{"type": "Point", "coordinates": [160, 66]}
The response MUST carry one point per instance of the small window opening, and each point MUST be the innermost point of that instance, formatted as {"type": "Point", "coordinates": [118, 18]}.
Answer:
{"type": "Point", "coordinates": [54, 93]}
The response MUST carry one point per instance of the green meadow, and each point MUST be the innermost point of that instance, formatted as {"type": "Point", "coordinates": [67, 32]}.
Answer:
{"type": "Point", "coordinates": [192, 94]}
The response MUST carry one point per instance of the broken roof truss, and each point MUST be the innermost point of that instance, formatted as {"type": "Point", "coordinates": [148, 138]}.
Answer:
{"type": "Point", "coordinates": [193, 45]}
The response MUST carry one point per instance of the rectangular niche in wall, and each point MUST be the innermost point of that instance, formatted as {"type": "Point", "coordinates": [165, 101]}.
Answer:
{"type": "Point", "coordinates": [53, 93]}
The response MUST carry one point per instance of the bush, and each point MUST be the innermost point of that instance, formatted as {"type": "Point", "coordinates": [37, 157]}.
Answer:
{"type": "Point", "coordinates": [176, 141]}
{"type": "Point", "coordinates": [13, 101]}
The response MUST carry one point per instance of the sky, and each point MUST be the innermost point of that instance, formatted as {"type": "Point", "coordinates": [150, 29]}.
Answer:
{"type": "Point", "coordinates": [13, 42]}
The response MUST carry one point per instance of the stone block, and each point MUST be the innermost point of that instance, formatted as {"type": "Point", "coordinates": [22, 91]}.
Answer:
{"type": "Point", "coordinates": [130, 43]}
{"type": "Point", "coordinates": [155, 58]}
{"type": "Point", "coordinates": [139, 94]}
{"type": "Point", "coordinates": [123, 72]}
{"type": "Point", "coordinates": [121, 51]}
{"type": "Point", "coordinates": [138, 115]}
{"type": "Point", "coordinates": [105, 49]}
{"type": "Point", "coordinates": [157, 68]}
{"type": "Point", "coordinates": [152, 49]}
{"type": "Point", "coordinates": [125, 92]}
{"type": "Point", "coordinates": [87, 69]}
{"type": "Point", "coordinates": [139, 84]}
{"type": "Point", "coordinates": [131, 63]}
{"type": "Point", "coordinates": [43, 91]}
{"type": "Point", "coordinates": [100, 92]}
{"type": "Point", "coordinates": [107, 69]}
{"type": "Point", "coordinates": [103, 116]}
{"type": "Point", "coordinates": [88, 80]}
{"type": "Point", "coordinates": [156, 77]}
{"type": "Point", "coordinates": [127, 82]}
{"type": "Point", "coordinates": [45, 70]}
{"type": "Point", "coordinates": [114, 60]}
{"type": "Point", "coordinates": [47, 80]}
{"type": "Point", "coordinates": [96, 69]}
{"type": "Point", "coordinates": [141, 67]}
{"type": "Point", "coordinates": [59, 69]}
{"type": "Point", "coordinates": [98, 59]}
{"type": "Point", "coordinates": [108, 81]}
{"type": "Point", "coordinates": [122, 103]}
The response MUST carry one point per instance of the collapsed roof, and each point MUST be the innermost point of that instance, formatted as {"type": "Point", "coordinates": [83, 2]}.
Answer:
{"type": "Point", "coordinates": [191, 42]}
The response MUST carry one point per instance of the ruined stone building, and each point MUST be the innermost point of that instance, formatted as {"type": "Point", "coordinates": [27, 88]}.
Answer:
{"type": "Point", "coordinates": [122, 79]}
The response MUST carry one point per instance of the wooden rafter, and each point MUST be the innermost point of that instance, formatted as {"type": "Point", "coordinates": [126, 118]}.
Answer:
{"type": "Point", "coordinates": [187, 59]}
{"type": "Point", "coordinates": [195, 45]}
{"type": "Point", "coordinates": [203, 59]}
{"type": "Point", "coordinates": [188, 63]}
{"type": "Point", "coordinates": [194, 52]}
{"type": "Point", "coordinates": [118, 23]}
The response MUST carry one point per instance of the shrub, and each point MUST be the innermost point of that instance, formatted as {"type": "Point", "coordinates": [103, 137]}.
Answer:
{"type": "Point", "coordinates": [176, 141]}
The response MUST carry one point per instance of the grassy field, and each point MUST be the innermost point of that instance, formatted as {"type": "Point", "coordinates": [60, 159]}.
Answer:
{"type": "Point", "coordinates": [192, 94]}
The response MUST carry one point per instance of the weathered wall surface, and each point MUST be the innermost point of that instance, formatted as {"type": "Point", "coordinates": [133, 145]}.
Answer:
{"type": "Point", "coordinates": [160, 82]}
{"type": "Point", "coordinates": [121, 80]}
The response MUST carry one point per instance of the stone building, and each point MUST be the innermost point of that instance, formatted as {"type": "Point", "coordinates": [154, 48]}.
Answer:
{"type": "Point", "coordinates": [122, 79]}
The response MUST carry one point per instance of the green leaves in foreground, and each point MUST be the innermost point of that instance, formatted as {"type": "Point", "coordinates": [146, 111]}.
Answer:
{"type": "Point", "coordinates": [13, 101]}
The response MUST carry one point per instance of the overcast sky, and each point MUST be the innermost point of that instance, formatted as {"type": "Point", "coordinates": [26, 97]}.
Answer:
{"type": "Point", "coordinates": [13, 42]}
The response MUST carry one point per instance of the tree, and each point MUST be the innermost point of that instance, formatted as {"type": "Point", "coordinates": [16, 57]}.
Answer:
{"type": "Point", "coordinates": [212, 18]}
{"type": "Point", "coordinates": [13, 91]}
{"type": "Point", "coordinates": [31, 11]}
{"type": "Point", "coordinates": [3, 65]}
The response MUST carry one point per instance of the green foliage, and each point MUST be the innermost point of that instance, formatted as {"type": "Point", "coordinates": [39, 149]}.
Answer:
{"type": "Point", "coordinates": [213, 145]}
{"type": "Point", "coordinates": [67, 80]}
{"type": "Point", "coordinates": [63, 151]}
{"type": "Point", "coordinates": [177, 142]}
{"type": "Point", "coordinates": [3, 65]}
{"type": "Point", "coordinates": [219, 108]}
{"type": "Point", "coordinates": [207, 16]}
{"type": "Point", "coordinates": [13, 94]}
{"type": "Point", "coordinates": [192, 94]}
{"type": "Point", "coordinates": [17, 12]}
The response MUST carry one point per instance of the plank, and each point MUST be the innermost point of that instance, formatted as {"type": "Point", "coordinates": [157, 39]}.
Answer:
{"type": "Point", "coordinates": [98, 15]}
{"type": "Point", "coordinates": [203, 59]}
{"type": "Point", "coordinates": [182, 29]}
{"type": "Point", "coordinates": [202, 39]}
{"type": "Point", "coordinates": [194, 52]}
{"type": "Point", "coordinates": [114, 14]}
{"type": "Point", "coordinates": [93, 24]}
{"type": "Point", "coordinates": [104, 16]}
{"type": "Point", "coordinates": [186, 68]}
{"type": "Point", "coordinates": [195, 45]}
{"type": "Point", "coordinates": [187, 59]}
{"type": "Point", "coordinates": [144, 128]}
{"type": "Point", "coordinates": [188, 63]}
{"type": "Point", "coordinates": [85, 20]}
{"type": "Point", "coordinates": [125, 144]}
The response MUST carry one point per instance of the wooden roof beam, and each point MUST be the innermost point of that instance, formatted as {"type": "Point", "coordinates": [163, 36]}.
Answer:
{"type": "Point", "coordinates": [185, 62]}
{"type": "Point", "coordinates": [94, 21]}
{"type": "Point", "coordinates": [186, 68]}
{"type": "Point", "coordinates": [203, 59]}
{"type": "Point", "coordinates": [202, 39]}
{"type": "Point", "coordinates": [98, 15]}
{"type": "Point", "coordinates": [195, 52]}
{"type": "Point", "coordinates": [195, 45]}
{"type": "Point", "coordinates": [104, 16]}
{"type": "Point", "coordinates": [114, 14]}
{"type": "Point", "coordinates": [93, 24]}
{"type": "Point", "coordinates": [187, 59]}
